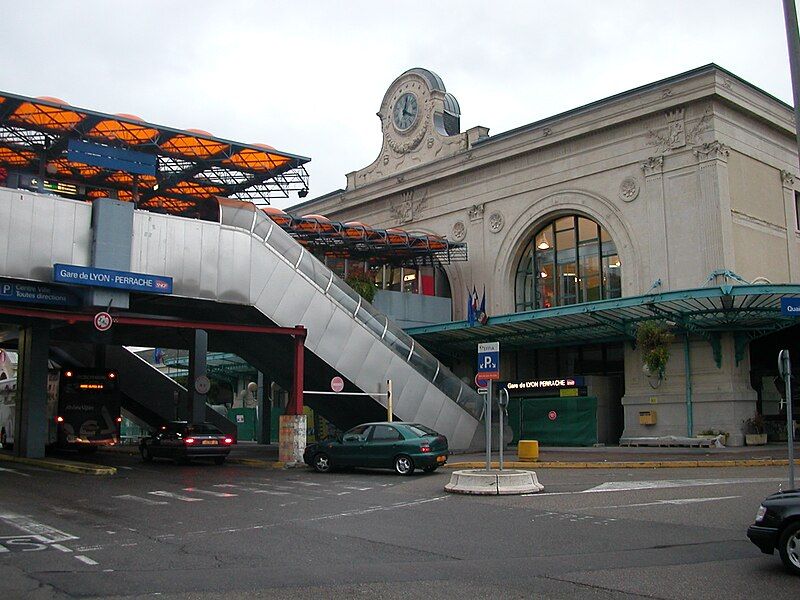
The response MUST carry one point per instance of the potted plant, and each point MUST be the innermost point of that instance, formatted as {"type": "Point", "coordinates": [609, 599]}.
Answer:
{"type": "Point", "coordinates": [361, 283]}
{"type": "Point", "coordinates": [754, 432]}
{"type": "Point", "coordinates": [653, 338]}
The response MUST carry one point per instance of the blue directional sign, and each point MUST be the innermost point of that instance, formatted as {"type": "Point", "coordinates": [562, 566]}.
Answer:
{"type": "Point", "coordinates": [109, 278]}
{"type": "Point", "coordinates": [489, 360]}
{"type": "Point", "coordinates": [790, 307]}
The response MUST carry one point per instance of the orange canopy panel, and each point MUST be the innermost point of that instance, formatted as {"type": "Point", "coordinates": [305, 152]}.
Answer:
{"type": "Point", "coordinates": [192, 188]}
{"type": "Point", "coordinates": [124, 130]}
{"type": "Point", "coordinates": [256, 160]}
{"type": "Point", "coordinates": [171, 205]}
{"type": "Point", "coordinates": [16, 158]}
{"type": "Point", "coordinates": [62, 166]}
{"type": "Point", "coordinates": [194, 146]}
{"type": "Point", "coordinates": [277, 215]}
{"type": "Point", "coordinates": [316, 223]}
{"type": "Point", "coordinates": [397, 236]}
{"type": "Point", "coordinates": [56, 118]}
{"type": "Point", "coordinates": [124, 178]}
{"type": "Point", "coordinates": [355, 230]}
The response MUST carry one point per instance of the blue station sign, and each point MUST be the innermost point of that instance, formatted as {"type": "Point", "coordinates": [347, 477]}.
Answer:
{"type": "Point", "coordinates": [790, 307]}
{"type": "Point", "coordinates": [109, 278]}
{"type": "Point", "coordinates": [489, 360]}
{"type": "Point", "coordinates": [36, 293]}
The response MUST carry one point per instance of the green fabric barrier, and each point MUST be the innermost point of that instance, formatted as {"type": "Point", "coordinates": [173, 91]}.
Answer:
{"type": "Point", "coordinates": [575, 422]}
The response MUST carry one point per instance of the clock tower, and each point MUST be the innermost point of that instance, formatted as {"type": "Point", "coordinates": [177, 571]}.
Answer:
{"type": "Point", "coordinates": [420, 122]}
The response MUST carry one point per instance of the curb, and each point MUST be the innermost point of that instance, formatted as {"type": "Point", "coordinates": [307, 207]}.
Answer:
{"type": "Point", "coordinates": [648, 464]}
{"type": "Point", "coordinates": [55, 465]}
{"type": "Point", "coordinates": [255, 462]}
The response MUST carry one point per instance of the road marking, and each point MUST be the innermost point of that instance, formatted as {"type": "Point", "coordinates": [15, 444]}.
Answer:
{"type": "Point", "coordinates": [60, 547]}
{"type": "Point", "coordinates": [210, 493]}
{"type": "Point", "coordinates": [674, 502]}
{"type": "Point", "coordinates": [14, 471]}
{"type": "Point", "coordinates": [86, 559]}
{"type": "Point", "coordinates": [29, 526]}
{"type": "Point", "coordinates": [174, 496]}
{"type": "Point", "coordinates": [140, 499]}
{"type": "Point", "coordinates": [659, 484]}
{"type": "Point", "coordinates": [360, 489]}
{"type": "Point", "coordinates": [250, 489]}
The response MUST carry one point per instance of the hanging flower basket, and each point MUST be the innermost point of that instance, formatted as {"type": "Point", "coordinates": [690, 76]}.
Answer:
{"type": "Point", "coordinates": [654, 338]}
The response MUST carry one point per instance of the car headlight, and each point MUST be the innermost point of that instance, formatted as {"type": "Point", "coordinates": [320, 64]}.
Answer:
{"type": "Point", "coordinates": [762, 511]}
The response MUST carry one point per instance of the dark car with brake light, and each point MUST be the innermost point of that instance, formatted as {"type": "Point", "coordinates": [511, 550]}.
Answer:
{"type": "Point", "coordinates": [401, 446]}
{"type": "Point", "coordinates": [777, 526]}
{"type": "Point", "coordinates": [182, 441]}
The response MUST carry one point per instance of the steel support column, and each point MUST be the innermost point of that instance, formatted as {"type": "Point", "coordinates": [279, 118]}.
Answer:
{"type": "Point", "coordinates": [197, 369]}
{"type": "Point", "coordinates": [30, 426]}
{"type": "Point", "coordinates": [296, 400]}
{"type": "Point", "coordinates": [264, 409]}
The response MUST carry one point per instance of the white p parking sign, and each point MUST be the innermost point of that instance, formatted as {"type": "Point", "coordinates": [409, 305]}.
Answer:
{"type": "Point", "coordinates": [489, 360]}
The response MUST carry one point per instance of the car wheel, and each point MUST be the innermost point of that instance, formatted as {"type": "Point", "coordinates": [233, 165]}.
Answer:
{"type": "Point", "coordinates": [322, 463]}
{"type": "Point", "coordinates": [789, 548]}
{"type": "Point", "coordinates": [403, 465]}
{"type": "Point", "coordinates": [430, 469]}
{"type": "Point", "coordinates": [218, 460]}
{"type": "Point", "coordinates": [146, 455]}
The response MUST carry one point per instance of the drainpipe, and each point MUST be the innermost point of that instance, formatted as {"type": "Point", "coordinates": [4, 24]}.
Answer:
{"type": "Point", "coordinates": [688, 373]}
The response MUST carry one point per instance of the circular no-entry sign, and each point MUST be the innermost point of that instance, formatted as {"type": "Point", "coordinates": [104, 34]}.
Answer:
{"type": "Point", "coordinates": [552, 415]}
{"type": "Point", "coordinates": [337, 384]}
{"type": "Point", "coordinates": [103, 321]}
{"type": "Point", "coordinates": [480, 382]}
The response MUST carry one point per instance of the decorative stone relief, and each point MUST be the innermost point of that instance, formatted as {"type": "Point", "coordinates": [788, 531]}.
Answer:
{"type": "Point", "coordinates": [787, 178]}
{"type": "Point", "coordinates": [546, 131]}
{"type": "Point", "coordinates": [653, 165]}
{"type": "Point", "coordinates": [496, 222]}
{"type": "Point", "coordinates": [629, 189]}
{"type": "Point", "coordinates": [703, 125]}
{"type": "Point", "coordinates": [408, 208]}
{"type": "Point", "coordinates": [476, 212]}
{"type": "Point", "coordinates": [711, 150]}
{"type": "Point", "coordinates": [459, 231]}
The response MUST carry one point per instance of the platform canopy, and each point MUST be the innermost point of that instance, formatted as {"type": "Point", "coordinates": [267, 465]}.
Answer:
{"type": "Point", "coordinates": [747, 311]}
{"type": "Point", "coordinates": [88, 154]}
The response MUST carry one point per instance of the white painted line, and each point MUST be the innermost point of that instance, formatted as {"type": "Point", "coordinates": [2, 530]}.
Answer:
{"type": "Point", "coordinates": [659, 484]}
{"type": "Point", "coordinates": [250, 489]}
{"type": "Point", "coordinates": [307, 483]}
{"type": "Point", "coordinates": [360, 489]}
{"type": "Point", "coordinates": [14, 471]}
{"type": "Point", "coordinates": [28, 525]}
{"type": "Point", "coordinates": [86, 559]}
{"type": "Point", "coordinates": [674, 502]}
{"type": "Point", "coordinates": [210, 492]}
{"type": "Point", "coordinates": [140, 499]}
{"type": "Point", "coordinates": [174, 496]}
{"type": "Point", "coordinates": [60, 547]}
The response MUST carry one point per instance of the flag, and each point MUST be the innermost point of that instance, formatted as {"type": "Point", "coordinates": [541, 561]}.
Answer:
{"type": "Point", "coordinates": [480, 314]}
{"type": "Point", "coordinates": [158, 356]}
{"type": "Point", "coordinates": [470, 309]}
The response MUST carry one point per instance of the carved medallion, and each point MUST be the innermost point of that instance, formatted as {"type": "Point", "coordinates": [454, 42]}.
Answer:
{"type": "Point", "coordinates": [476, 212]}
{"type": "Point", "coordinates": [459, 231]}
{"type": "Point", "coordinates": [496, 222]}
{"type": "Point", "coordinates": [628, 189]}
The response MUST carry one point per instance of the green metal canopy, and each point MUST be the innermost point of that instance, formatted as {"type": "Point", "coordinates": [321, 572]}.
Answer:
{"type": "Point", "coordinates": [748, 311]}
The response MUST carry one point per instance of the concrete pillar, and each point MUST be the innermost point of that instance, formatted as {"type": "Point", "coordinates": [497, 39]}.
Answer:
{"type": "Point", "coordinates": [30, 426]}
{"type": "Point", "coordinates": [197, 374]}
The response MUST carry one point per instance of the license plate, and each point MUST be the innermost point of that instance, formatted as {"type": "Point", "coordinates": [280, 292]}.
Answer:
{"type": "Point", "coordinates": [209, 442]}
{"type": "Point", "coordinates": [440, 459]}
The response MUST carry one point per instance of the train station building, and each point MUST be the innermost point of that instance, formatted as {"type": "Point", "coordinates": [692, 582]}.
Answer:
{"type": "Point", "coordinates": [670, 210]}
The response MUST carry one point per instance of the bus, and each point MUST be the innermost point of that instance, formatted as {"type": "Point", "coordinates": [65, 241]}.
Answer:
{"type": "Point", "coordinates": [83, 408]}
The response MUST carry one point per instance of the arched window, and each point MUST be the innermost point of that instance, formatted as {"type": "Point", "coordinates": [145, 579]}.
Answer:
{"type": "Point", "coordinates": [569, 260]}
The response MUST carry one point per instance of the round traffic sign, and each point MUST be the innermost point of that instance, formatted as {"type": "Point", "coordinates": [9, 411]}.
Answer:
{"type": "Point", "coordinates": [202, 384]}
{"type": "Point", "coordinates": [552, 415]}
{"type": "Point", "coordinates": [480, 382]}
{"type": "Point", "coordinates": [337, 384]}
{"type": "Point", "coordinates": [103, 321]}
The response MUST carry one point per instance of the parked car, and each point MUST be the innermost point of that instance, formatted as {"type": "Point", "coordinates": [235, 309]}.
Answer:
{"type": "Point", "coordinates": [778, 526]}
{"type": "Point", "coordinates": [403, 447]}
{"type": "Point", "coordinates": [182, 441]}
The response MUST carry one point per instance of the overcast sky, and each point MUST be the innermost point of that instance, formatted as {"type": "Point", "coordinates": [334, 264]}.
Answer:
{"type": "Point", "coordinates": [307, 77]}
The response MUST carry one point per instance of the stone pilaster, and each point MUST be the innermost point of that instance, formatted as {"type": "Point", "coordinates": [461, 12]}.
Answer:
{"type": "Point", "coordinates": [792, 239]}
{"type": "Point", "coordinates": [715, 222]}
{"type": "Point", "coordinates": [653, 169]}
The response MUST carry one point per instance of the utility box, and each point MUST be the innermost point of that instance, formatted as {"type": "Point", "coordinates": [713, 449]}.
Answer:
{"type": "Point", "coordinates": [647, 417]}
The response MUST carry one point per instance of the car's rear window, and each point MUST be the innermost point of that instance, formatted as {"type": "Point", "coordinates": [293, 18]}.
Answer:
{"type": "Point", "coordinates": [421, 430]}
{"type": "Point", "coordinates": [202, 428]}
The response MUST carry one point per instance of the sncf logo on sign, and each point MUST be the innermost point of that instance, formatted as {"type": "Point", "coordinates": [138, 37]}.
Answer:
{"type": "Point", "coordinates": [790, 307]}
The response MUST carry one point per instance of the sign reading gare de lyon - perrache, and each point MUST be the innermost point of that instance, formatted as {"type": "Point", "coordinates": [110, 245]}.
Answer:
{"type": "Point", "coordinates": [110, 278]}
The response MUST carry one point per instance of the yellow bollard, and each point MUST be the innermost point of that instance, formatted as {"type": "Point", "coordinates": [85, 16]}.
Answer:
{"type": "Point", "coordinates": [528, 450]}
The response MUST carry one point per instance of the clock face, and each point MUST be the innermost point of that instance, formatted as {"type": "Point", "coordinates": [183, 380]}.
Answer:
{"type": "Point", "coordinates": [404, 113]}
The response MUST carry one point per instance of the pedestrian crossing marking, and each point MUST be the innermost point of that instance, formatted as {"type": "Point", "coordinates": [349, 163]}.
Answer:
{"type": "Point", "coordinates": [140, 499]}
{"type": "Point", "coordinates": [210, 492]}
{"type": "Point", "coordinates": [174, 496]}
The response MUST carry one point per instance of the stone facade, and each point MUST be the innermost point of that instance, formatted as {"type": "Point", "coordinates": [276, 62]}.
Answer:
{"type": "Point", "coordinates": [691, 175]}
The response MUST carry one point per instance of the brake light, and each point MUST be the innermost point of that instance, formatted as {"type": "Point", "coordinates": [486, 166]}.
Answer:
{"type": "Point", "coordinates": [228, 440]}
{"type": "Point", "coordinates": [424, 448]}
{"type": "Point", "coordinates": [119, 419]}
{"type": "Point", "coordinates": [188, 441]}
{"type": "Point", "coordinates": [67, 373]}
{"type": "Point", "coordinates": [111, 374]}
{"type": "Point", "coordinates": [59, 419]}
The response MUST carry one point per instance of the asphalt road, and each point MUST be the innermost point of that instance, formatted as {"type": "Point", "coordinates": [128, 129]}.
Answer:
{"type": "Point", "coordinates": [204, 531]}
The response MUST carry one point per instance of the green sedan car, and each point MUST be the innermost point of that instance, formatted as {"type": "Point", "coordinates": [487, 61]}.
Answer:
{"type": "Point", "coordinates": [387, 445]}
